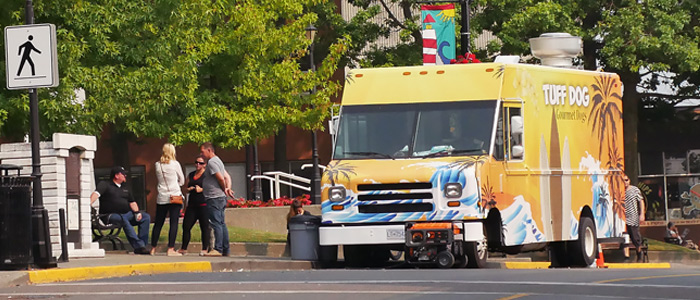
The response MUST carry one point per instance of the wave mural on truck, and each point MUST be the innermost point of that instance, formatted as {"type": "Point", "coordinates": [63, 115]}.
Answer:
{"type": "Point", "coordinates": [438, 173]}
{"type": "Point", "coordinates": [519, 226]}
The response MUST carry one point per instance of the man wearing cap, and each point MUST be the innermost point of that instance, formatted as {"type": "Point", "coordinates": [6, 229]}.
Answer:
{"type": "Point", "coordinates": [116, 201]}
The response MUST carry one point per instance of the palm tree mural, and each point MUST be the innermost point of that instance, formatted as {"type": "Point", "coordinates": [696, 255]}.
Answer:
{"type": "Point", "coordinates": [500, 71]}
{"type": "Point", "coordinates": [336, 169]}
{"type": "Point", "coordinates": [616, 162]}
{"type": "Point", "coordinates": [452, 172]}
{"type": "Point", "coordinates": [464, 163]}
{"type": "Point", "coordinates": [488, 197]}
{"type": "Point", "coordinates": [604, 111]}
{"type": "Point", "coordinates": [604, 115]}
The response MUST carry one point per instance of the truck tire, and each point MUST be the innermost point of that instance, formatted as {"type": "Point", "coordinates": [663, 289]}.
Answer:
{"type": "Point", "coordinates": [477, 254]}
{"type": "Point", "coordinates": [461, 261]}
{"type": "Point", "coordinates": [445, 259]}
{"type": "Point", "coordinates": [586, 247]}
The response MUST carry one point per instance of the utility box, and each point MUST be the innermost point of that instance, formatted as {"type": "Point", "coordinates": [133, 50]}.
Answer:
{"type": "Point", "coordinates": [15, 219]}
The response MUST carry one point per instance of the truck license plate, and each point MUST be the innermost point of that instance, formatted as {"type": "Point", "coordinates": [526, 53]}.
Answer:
{"type": "Point", "coordinates": [395, 234]}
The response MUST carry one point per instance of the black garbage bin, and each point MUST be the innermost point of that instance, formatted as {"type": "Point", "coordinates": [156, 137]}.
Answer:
{"type": "Point", "coordinates": [303, 237]}
{"type": "Point", "coordinates": [15, 219]}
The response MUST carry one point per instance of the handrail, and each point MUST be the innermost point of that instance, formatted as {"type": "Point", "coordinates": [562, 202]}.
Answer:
{"type": "Point", "coordinates": [252, 178]}
{"type": "Point", "coordinates": [304, 166]}
{"type": "Point", "coordinates": [290, 176]}
{"type": "Point", "coordinates": [275, 181]}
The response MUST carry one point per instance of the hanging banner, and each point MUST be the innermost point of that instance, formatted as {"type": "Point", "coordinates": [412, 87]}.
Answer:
{"type": "Point", "coordinates": [438, 33]}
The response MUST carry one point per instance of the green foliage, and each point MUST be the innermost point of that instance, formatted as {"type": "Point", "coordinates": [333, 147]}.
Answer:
{"type": "Point", "coordinates": [366, 28]}
{"type": "Point", "coordinates": [194, 71]}
{"type": "Point", "coordinates": [622, 36]}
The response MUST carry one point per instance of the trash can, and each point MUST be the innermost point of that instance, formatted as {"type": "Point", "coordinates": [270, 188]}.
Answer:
{"type": "Point", "coordinates": [303, 237]}
{"type": "Point", "coordinates": [15, 219]}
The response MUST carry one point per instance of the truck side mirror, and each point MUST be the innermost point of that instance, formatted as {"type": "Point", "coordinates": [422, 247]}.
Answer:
{"type": "Point", "coordinates": [333, 125]}
{"type": "Point", "coordinates": [517, 152]}
{"type": "Point", "coordinates": [516, 125]}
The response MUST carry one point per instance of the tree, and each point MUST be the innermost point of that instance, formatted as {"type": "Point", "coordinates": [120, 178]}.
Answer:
{"type": "Point", "coordinates": [366, 27]}
{"type": "Point", "coordinates": [193, 71]}
{"type": "Point", "coordinates": [642, 41]}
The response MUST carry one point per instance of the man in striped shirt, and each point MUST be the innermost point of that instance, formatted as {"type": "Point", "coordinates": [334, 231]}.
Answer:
{"type": "Point", "coordinates": [634, 213]}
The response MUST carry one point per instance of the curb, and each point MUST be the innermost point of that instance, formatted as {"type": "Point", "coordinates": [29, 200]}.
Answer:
{"type": "Point", "coordinates": [517, 265]}
{"type": "Point", "coordinates": [101, 272]}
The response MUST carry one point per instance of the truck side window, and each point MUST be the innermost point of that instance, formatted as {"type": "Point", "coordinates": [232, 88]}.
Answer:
{"type": "Point", "coordinates": [515, 133]}
{"type": "Point", "coordinates": [498, 149]}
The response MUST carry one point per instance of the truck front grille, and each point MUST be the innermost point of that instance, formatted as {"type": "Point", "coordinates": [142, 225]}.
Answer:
{"type": "Point", "coordinates": [395, 191]}
{"type": "Point", "coordinates": [395, 208]}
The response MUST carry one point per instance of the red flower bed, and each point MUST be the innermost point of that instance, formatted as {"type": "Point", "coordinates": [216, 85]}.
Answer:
{"type": "Point", "coordinates": [283, 201]}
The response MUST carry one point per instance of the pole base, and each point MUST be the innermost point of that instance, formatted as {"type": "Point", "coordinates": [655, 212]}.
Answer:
{"type": "Point", "coordinates": [41, 240]}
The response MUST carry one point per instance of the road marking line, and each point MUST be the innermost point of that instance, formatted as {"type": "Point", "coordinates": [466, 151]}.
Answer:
{"type": "Point", "coordinates": [293, 292]}
{"type": "Point", "coordinates": [530, 283]}
{"type": "Point", "coordinates": [646, 277]}
{"type": "Point", "coordinates": [514, 297]}
{"type": "Point", "coordinates": [59, 275]}
{"type": "Point", "coordinates": [112, 293]}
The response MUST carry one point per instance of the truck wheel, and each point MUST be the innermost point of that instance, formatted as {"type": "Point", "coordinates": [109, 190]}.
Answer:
{"type": "Point", "coordinates": [395, 254]}
{"type": "Point", "coordinates": [461, 261]}
{"type": "Point", "coordinates": [477, 252]}
{"type": "Point", "coordinates": [585, 249]}
{"type": "Point", "coordinates": [445, 260]}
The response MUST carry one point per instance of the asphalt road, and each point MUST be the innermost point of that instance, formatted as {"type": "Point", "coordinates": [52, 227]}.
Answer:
{"type": "Point", "coordinates": [371, 284]}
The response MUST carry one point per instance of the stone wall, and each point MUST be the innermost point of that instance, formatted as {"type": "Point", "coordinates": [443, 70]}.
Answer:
{"type": "Point", "coordinates": [270, 219]}
{"type": "Point", "coordinates": [53, 182]}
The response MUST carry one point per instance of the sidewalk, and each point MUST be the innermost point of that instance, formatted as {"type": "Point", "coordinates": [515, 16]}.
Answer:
{"type": "Point", "coordinates": [252, 257]}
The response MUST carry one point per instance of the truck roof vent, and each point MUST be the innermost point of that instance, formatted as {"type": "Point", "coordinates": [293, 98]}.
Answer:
{"type": "Point", "coordinates": [556, 49]}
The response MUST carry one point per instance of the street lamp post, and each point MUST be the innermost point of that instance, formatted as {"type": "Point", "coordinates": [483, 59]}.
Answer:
{"type": "Point", "coordinates": [257, 188]}
{"type": "Point", "coordinates": [315, 175]}
{"type": "Point", "coordinates": [41, 239]}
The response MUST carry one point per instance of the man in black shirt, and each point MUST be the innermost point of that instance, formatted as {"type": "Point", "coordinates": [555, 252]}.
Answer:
{"type": "Point", "coordinates": [117, 201]}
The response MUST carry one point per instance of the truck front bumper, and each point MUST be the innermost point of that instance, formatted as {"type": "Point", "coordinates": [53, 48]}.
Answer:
{"type": "Point", "coordinates": [362, 235]}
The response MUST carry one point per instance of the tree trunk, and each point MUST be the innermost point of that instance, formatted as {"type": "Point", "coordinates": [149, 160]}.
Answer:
{"type": "Point", "coordinates": [630, 116]}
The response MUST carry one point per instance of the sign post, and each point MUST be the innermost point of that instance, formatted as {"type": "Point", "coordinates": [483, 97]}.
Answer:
{"type": "Point", "coordinates": [30, 54]}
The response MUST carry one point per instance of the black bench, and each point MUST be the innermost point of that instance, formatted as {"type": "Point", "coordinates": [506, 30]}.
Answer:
{"type": "Point", "coordinates": [102, 231]}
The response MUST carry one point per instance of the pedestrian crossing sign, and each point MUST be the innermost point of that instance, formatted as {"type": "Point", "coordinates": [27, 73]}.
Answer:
{"type": "Point", "coordinates": [30, 55]}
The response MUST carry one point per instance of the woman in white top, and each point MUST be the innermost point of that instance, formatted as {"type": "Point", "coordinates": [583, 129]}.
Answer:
{"type": "Point", "coordinates": [170, 179]}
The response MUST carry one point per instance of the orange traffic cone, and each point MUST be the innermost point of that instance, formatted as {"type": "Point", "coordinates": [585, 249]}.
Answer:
{"type": "Point", "coordinates": [600, 261]}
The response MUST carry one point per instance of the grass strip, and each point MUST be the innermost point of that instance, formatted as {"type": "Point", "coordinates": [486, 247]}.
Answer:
{"type": "Point", "coordinates": [235, 235]}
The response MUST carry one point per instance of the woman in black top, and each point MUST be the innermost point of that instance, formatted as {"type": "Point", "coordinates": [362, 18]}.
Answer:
{"type": "Point", "coordinates": [196, 208]}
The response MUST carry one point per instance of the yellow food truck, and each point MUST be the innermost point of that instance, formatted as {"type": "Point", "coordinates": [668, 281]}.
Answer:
{"type": "Point", "coordinates": [448, 162]}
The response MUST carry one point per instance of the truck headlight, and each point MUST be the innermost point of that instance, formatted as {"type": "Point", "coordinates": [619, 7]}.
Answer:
{"type": "Point", "coordinates": [336, 193]}
{"type": "Point", "coordinates": [453, 190]}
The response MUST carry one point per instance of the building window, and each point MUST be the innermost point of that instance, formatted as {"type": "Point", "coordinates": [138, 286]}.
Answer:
{"type": "Point", "coordinates": [671, 183]}
{"type": "Point", "coordinates": [136, 181]}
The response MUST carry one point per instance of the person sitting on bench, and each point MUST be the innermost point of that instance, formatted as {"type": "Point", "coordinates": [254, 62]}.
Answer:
{"type": "Point", "coordinates": [674, 237]}
{"type": "Point", "coordinates": [120, 207]}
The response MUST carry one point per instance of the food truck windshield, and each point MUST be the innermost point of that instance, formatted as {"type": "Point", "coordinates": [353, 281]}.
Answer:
{"type": "Point", "coordinates": [416, 130]}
